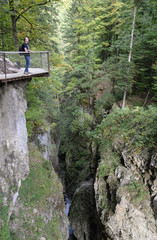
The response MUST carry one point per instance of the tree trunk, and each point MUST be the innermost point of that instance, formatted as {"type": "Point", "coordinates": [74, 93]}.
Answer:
{"type": "Point", "coordinates": [15, 17]}
{"type": "Point", "coordinates": [14, 29]}
{"type": "Point", "coordinates": [124, 99]}
{"type": "Point", "coordinates": [132, 33]}
{"type": "Point", "coordinates": [13, 21]}
{"type": "Point", "coordinates": [130, 52]}
{"type": "Point", "coordinates": [2, 35]}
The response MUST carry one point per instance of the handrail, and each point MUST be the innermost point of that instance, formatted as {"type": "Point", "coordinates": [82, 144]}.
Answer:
{"type": "Point", "coordinates": [41, 59]}
{"type": "Point", "coordinates": [23, 52]}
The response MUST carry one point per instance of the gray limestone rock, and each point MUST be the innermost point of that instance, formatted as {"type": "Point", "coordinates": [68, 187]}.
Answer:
{"type": "Point", "coordinates": [123, 204]}
{"type": "Point", "coordinates": [49, 146]}
{"type": "Point", "coordinates": [82, 213]}
{"type": "Point", "coordinates": [155, 205]}
{"type": "Point", "coordinates": [44, 140]}
{"type": "Point", "coordinates": [130, 223]}
{"type": "Point", "coordinates": [14, 161]}
{"type": "Point", "coordinates": [11, 67]}
{"type": "Point", "coordinates": [135, 160]}
{"type": "Point", "coordinates": [14, 167]}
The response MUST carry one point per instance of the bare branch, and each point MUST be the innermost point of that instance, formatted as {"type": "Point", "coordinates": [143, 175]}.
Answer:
{"type": "Point", "coordinates": [27, 20]}
{"type": "Point", "coordinates": [38, 4]}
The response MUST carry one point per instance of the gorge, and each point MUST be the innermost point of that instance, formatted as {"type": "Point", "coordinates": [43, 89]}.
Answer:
{"type": "Point", "coordinates": [24, 214]}
{"type": "Point", "coordinates": [113, 193]}
{"type": "Point", "coordinates": [78, 144]}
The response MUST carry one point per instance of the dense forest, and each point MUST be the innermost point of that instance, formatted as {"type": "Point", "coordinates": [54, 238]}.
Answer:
{"type": "Point", "coordinates": [103, 75]}
{"type": "Point", "coordinates": [103, 55]}
{"type": "Point", "coordinates": [101, 52]}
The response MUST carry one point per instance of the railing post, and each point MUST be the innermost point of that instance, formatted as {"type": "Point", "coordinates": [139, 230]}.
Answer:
{"type": "Point", "coordinates": [5, 71]}
{"type": "Point", "coordinates": [41, 59]}
{"type": "Point", "coordinates": [48, 62]}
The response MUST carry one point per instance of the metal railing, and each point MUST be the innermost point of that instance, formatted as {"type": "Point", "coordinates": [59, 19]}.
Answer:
{"type": "Point", "coordinates": [12, 64]}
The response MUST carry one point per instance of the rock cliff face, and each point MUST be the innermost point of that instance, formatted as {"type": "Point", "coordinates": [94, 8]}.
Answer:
{"type": "Point", "coordinates": [49, 143]}
{"type": "Point", "coordinates": [31, 198]}
{"type": "Point", "coordinates": [10, 66]}
{"type": "Point", "coordinates": [44, 142]}
{"type": "Point", "coordinates": [14, 161]}
{"type": "Point", "coordinates": [125, 185]}
{"type": "Point", "coordinates": [126, 194]}
{"type": "Point", "coordinates": [39, 210]}
{"type": "Point", "coordinates": [83, 216]}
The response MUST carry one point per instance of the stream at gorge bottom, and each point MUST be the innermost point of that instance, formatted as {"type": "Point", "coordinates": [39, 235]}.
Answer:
{"type": "Point", "coordinates": [80, 205]}
{"type": "Point", "coordinates": [67, 206]}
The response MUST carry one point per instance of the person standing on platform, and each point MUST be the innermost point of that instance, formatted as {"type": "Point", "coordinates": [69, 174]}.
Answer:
{"type": "Point", "coordinates": [26, 49]}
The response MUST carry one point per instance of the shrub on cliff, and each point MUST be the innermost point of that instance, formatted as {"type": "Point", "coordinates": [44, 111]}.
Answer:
{"type": "Point", "coordinates": [137, 127]}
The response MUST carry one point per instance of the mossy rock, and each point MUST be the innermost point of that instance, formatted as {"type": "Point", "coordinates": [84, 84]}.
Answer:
{"type": "Point", "coordinates": [39, 211]}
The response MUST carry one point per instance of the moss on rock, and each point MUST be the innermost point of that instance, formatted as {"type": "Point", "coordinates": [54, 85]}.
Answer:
{"type": "Point", "coordinates": [39, 211]}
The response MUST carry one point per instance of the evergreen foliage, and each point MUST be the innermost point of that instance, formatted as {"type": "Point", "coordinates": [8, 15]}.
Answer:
{"type": "Point", "coordinates": [89, 44]}
{"type": "Point", "coordinates": [43, 105]}
{"type": "Point", "coordinates": [96, 44]}
{"type": "Point", "coordinates": [34, 19]}
{"type": "Point", "coordinates": [97, 36]}
{"type": "Point", "coordinates": [137, 127]}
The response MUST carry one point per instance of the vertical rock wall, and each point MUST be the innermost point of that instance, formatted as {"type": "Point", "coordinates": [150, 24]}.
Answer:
{"type": "Point", "coordinates": [38, 212]}
{"type": "Point", "coordinates": [83, 217]}
{"type": "Point", "coordinates": [14, 161]}
{"type": "Point", "coordinates": [124, 195]}
{"type": "Point", "coordinates": [48, 143]}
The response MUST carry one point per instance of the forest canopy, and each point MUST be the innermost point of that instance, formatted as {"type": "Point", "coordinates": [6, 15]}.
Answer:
{"type": "Point", "coordinates": [99, 50]}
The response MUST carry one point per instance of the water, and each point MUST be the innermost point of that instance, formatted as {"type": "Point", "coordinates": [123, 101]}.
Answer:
{"type": "Point", "coordinates": [67, 206]}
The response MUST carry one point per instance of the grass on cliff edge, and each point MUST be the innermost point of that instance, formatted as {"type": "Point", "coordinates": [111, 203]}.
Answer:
{"type": "Point", "coordinates": [131, 129]}
{"type": "Point", "coordinates": [42, 181]}
{"type": "Point", "coordinates": [136, 127]}
{"type": "Point", "coordinates": [42, 191]}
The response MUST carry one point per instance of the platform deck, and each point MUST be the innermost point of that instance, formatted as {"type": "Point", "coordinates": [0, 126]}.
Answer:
{"type": "Point", "coordinates": [35, 72]}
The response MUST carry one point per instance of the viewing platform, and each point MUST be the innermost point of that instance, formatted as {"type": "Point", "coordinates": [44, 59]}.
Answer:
{"type": "Point", "coordinates": [12, 65]}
